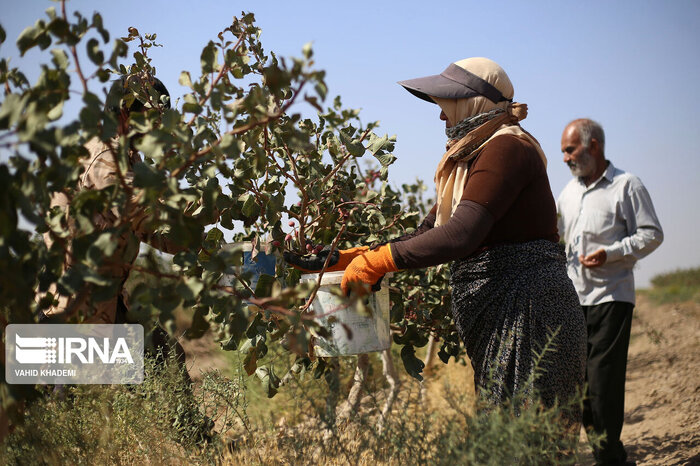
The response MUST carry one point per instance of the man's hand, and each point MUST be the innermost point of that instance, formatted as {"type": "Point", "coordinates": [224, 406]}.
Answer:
{"type": "Point", "coordinates": [595, 259]}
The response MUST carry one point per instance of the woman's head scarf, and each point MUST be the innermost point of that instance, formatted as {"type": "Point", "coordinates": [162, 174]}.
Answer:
{"type": "Point", "coordinates": [451, 173]}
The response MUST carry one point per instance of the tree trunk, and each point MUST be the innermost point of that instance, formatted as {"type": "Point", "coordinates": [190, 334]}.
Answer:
{"type": "Point", "coordinates": [427, 370]}
{"type": "Point", "coordinates": [333, 380]}
{"type": "Point", "coordinates": [355, 395]}
{"type": "Point", "coordinates": [392, 377]}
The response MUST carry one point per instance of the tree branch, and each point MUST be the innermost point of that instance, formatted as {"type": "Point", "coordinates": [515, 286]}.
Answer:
{"type": "Point", "coordinates": [241, 129]}
{"type": "Point", "coordinates": [224, 69]}
{"type": "Point", "coordinates": [74, 52]}
{"type": "Point", "coordinates": [312, 296]}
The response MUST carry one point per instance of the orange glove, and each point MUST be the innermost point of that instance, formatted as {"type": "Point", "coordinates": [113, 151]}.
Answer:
{"type": "Point", "coordinates": [368, 268]}
{"type": "Point", "coordinates": [340, 259]}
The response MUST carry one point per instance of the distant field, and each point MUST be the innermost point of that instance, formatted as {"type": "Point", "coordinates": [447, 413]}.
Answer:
{"type": "Point", "coordinates": [679, 286]}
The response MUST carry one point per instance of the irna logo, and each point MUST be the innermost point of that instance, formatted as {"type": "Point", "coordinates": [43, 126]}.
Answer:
{"type": "Point", "coordinates": [74, 353]}
{"type": "Point", "coordinates": [87, 350]}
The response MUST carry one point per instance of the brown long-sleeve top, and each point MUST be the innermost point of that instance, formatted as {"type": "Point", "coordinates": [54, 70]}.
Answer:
{"type": "Point", "coordinates": [507, 199]}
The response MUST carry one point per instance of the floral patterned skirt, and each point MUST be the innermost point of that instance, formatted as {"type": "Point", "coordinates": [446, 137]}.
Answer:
{"type": "Point", "coordinates": [519, 317]}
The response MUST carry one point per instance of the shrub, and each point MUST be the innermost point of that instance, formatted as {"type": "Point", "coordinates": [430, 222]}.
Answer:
{"type": "Point", "coordinates": [161, 421]}
{"type": "Point", "coordinates": [677, 286]}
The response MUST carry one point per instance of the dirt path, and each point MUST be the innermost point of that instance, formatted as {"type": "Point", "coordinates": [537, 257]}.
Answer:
{"type": "Point", "coordinates": [662, 399]}
{"type": "Point", "coordinates": [662, 404]}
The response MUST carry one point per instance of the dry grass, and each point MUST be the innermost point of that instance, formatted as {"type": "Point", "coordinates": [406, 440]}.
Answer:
{"type": "Point", "coordinates": [433, 423]}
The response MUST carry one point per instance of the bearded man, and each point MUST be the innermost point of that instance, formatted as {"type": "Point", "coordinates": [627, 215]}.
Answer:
{"type": "Point", "coordinates": [608, 222]}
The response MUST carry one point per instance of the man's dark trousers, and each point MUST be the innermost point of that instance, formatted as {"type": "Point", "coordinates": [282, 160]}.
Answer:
{"type": "Point", "coordinates": [608, 326]}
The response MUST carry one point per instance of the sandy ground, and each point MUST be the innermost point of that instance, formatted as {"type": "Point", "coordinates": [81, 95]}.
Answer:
{"type": "Point", "coordinates": [662, 404]}
{"type": "Point", "coordinates": [662, 398]}
{"type": "Point", "coordinates": [662, 413]}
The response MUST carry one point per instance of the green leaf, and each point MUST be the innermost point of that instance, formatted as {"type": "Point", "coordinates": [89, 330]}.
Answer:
{"type": "Point", "coordinates": [199, 324]}
{"type": "Point", "coordinates": [60, 58]}
{"type": "Point", "coordinates": [141, 61]}
{"type": "Point", "coordinates": [33, 36]}
{"type": "Point", "coordinates": [118, 50]}
{"type": "Point", "coordinates": [269, 380]}
{"type": "Point", "coordinates": [443, 354]}
{"type": "Point", "coordinates": [208, 58]}
{"type": "Point", "coordinates": [264, 286]}
{"type": "Point", "coordinates": [353, 146]}
{"type": "Point", "coordinates": [413, 365]}
{"type": "Point", "coordinates": [170, 119]}
{"type": "Point", "coordinates": [93, 51]}
{"type": "Point", "coordinates": [250, 208]}
{"type": "Point", "coordinates": [91, 113]}
{"type": "Point", "coordinates": [250, 362]}
{"type": "Point", "coordinates": [378, 145]}
{"type": "Point", "coordinates": [322, 90]}
{"type": "Point", "coordinates": [385, 159]}
{"type": "Point", "coordinates": [185, 79]}
{"type": "Point", "coordinates": [103, 247]}
{"type": "Point", "coordinates": [10, 110]}
{"type": "Point", "coordinates": [151, 146]}
{"type": "Point", "coordinates": [146, 176]}
{"type": "Point", "coordinates": [256, 328]}
{"type": "Point", "coordinates": [3, 35]}
{"type": "Point", "coordinates": [397, 310]}
{"type": "Point", "coordinates": [307, 50]}
{"type": "Point", "coordinates": [215, 235]}
{"type": "Point", "coordinates": [56, 112]}
{"type": "Point", "coordinates": [60, 29]}
{"type": "Point", "coordinates": [190, 288]}
{"type": "Point", "coordinates": [225, 220]}
{"type": "Point", "coordinates": [275, 78]}
{"type": "Point", "coordinates": [191, 105]}
{"type": "Point", "coordinates": [27, 39]}
{"type": "Point", "coordinates": [238, 323]}
{"type": "Point", "coordinates": [97, 24]}
{"type": "Point", "coordinates": [380, 218]}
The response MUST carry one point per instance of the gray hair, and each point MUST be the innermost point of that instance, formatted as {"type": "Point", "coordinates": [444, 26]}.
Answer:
{"type": "Point", "coordinates": [588, 130]}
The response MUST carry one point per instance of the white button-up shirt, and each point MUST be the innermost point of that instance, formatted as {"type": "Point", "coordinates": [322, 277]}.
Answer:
{"type": "Point", "coordinates": [614, 213]}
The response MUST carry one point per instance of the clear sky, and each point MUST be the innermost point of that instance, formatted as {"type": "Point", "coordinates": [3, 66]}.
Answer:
{"type": "Point", "coordinates": [634, 66]}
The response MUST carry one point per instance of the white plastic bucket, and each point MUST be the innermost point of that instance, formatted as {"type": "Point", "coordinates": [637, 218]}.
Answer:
{"type": "Point", "coordinates": [368, 333]}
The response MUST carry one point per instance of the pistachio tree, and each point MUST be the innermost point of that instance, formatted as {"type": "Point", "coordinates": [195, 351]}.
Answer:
{"type": "Point", "coordinates": [234, 158]}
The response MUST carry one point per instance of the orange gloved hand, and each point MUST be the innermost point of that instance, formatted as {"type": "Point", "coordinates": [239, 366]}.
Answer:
{"type": "Point", "coordinates": [339, 260]}
{"type": "Point", "coordinates": [368, 268]}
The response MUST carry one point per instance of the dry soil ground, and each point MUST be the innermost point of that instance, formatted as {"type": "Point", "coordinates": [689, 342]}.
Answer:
{"type": "Point", "coordinates": [662, 405]}
{"type": "Point", "coordinates": [662, 401]}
